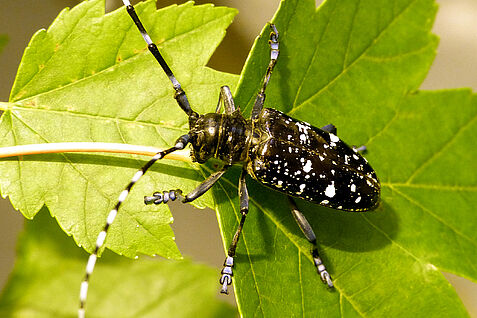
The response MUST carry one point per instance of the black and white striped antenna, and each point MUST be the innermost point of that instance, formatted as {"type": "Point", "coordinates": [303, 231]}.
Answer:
{"type": "Point", "coordinates": [180, 144]}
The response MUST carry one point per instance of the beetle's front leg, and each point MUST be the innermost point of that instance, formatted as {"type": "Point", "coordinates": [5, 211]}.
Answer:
{"type": "Point", "coordinates": [164, 197]}
{"type": "Point", "coordinates": [227, 272]}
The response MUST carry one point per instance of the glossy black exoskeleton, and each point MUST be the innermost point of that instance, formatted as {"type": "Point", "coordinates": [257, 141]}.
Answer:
{"type": "Point", "coordinates": [282, 153]}
{"type": "Point", "coordinates": [287, 155]}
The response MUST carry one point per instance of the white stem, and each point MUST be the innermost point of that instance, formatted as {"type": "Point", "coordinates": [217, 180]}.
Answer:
{"type": "Point", "coordinates": [182, 155]}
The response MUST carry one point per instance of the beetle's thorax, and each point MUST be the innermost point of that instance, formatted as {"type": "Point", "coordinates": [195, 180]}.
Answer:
{"type": "Point", "coordinates": [222, 136]}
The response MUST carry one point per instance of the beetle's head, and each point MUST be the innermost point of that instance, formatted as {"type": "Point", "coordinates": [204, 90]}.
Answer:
{"type": "Point", "coordinates": [204, 135]}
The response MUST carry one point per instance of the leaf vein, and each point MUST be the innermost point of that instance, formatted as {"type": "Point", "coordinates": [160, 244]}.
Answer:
{"type": "Point", "coordinates": [315, 53]}
{"type": "Point", "coordinates": [362, 54]}
{"type": "Point", "coordinates": [97, 117]}
{"type": "Point", "coordinates": [436, 217]}
{"type": "Point", "coordinates": [436, 154]}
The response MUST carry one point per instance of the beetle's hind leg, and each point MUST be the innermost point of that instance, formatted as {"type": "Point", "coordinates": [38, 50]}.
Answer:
{"type": "Point", "coordinates": [361, 149]}
{"type": "Point", "coordinates": [311, 237]}
{"type": "Point", "coordinates": [330, 128]}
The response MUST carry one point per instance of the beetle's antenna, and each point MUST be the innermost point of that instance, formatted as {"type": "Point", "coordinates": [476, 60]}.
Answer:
{"type": "Point", "coordinates": [180, 95]}
{"type": "Point", "coordinates": [180, 144]}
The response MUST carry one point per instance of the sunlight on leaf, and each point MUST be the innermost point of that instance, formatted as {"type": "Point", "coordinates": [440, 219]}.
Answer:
{"type": "Point", "coordinates": [90, 77]}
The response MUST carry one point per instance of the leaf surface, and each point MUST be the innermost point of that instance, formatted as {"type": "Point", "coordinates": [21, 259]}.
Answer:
{"type": "Point", "coordinates": [358, 65]}
{"type": "Point", "coordinates": [90, 77]}
{"type": "Point", "coordinates": [48, 262]}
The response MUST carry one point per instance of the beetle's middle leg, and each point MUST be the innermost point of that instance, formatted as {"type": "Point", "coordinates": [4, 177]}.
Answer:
{"type": "Point", "coordinates": [311, 237]}
{"type": "Point", "coordinates": [330, 128]}
{"type": "Point", "coordinates": [227, 271]}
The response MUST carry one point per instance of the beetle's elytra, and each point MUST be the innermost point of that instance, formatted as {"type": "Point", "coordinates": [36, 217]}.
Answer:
{"type": "Point", "coordinates": [282, 153]}
{"type": "Point", "coordinates": [289, 156]}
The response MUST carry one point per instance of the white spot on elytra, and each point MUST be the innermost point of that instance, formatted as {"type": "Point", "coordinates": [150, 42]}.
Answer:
{"type": "Point", "coordinates": [355, 157]}
{"type": "Point", "coordinates": [357, 200]}
{"type": "Point", "coordinates": [330, 190]}
{"type": "Point", "coordinates": [324, 202]}
{"type": "Point", "coordinates": [334, 138]}
{"type": "Point", "coordinates": [302, 187]}
{"type": "Point", "coordinates": [211, 130]}
{"type": "Point", "coordinates": [307, 166]}
{"type": "Point", "coordinates": [353, 188]}
{"type": "Point", "coordinates": [302, 127]}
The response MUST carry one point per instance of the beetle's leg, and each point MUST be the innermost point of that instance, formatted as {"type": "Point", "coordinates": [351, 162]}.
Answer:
{"type": "Point", "coordinates": [226, 97]}
{"type": "Point", "coordinates": [311, 237]}
{"type": "Point", "coordinates": [329, 128]}
{"type": "Point", "coordinates": [164, 197]}
{"type": "Point", "coordinates": [361, 148]}
{"type": "Point", "coordinates": [179, 95]}
{"type": "Point", "coordinates": [227, 272]}
{"type": "Point", "coordinates": [274, 51]}
{"type": "Point", "coordinates": [180, 144]}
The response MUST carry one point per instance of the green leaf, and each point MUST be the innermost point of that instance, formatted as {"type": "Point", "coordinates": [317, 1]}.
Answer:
{"type": "Point", "coordinates": [358, 65]}
{"type": "Point", "coordinates": [90, 77]}
{"type": "Point", "coordinates": [48, 262]}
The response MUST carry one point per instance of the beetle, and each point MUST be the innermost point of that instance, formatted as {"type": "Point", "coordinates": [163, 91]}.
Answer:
{"type": "Point", "coordinates": [280, 152]}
